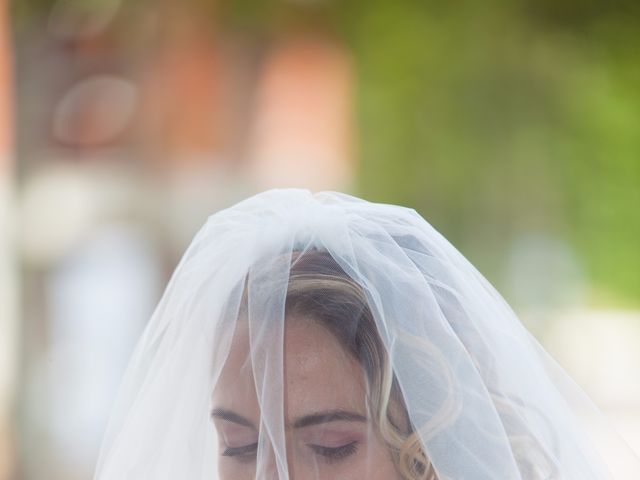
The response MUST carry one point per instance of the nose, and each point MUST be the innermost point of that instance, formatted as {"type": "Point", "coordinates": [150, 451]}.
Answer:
{"type": "Point", "coordinates": [267, 467]}
{"type": "Point", "coordinates": [268, 471]}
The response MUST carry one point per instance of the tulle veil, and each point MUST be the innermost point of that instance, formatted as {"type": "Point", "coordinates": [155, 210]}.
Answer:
{"type": "Point", "coordinates": [483, 399]}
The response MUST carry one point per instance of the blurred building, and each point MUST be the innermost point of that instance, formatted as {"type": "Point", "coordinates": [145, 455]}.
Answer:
{"type": "Point", "coordinates": [135, 124]}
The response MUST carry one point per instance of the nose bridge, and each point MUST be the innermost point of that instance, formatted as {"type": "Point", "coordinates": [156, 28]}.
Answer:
{"type": "Point", "coordinates": [267, 467]}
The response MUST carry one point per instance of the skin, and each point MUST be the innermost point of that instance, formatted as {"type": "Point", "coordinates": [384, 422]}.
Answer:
{"type": "Point", "coordinates": [326, 430]}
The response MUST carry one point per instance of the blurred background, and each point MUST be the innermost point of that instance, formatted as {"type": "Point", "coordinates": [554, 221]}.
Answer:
{"type": "Point", "coordinates": [513, 126]}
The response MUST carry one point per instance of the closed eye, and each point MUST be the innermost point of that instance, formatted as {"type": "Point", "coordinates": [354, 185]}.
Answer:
{"type": "Point", "coordinates": [330, 454]}
{"type": "Point", "coordinates": [242, 451]}
{"type": "Point", "coordinates": [335, 454]}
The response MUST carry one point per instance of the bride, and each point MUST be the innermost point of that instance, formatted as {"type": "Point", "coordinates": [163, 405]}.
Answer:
{"type": "Point", "coordinates": [321, 336]}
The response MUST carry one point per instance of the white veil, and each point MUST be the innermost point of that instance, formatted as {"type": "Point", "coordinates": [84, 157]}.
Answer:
{"type": "Point", "coordinates": [458, 389]}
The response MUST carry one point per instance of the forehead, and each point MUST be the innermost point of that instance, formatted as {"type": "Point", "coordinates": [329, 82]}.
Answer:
{"type": "Point", "coordinates": [317, 374]}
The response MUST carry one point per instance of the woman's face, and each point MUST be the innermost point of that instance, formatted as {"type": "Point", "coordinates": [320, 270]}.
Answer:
{"type": "Point", "coordinates": [327, 433]}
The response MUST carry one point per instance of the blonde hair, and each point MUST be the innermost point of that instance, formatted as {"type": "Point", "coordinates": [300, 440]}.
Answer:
{"type": "Point", "coordinates": [319, 290]}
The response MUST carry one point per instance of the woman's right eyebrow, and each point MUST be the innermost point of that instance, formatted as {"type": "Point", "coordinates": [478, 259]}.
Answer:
{"type": "Point", "coordinates": [231, 416]}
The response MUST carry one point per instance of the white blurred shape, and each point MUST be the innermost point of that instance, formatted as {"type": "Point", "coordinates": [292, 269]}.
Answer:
{"type": "Point", "coordinates": [61, 203]}
{"type": "Point", "coordinates": [77, 19]}
{"type": "Point", "coordinates": [95, 110]}
{"type": "Point", "coordinates": [543, 273]}
{"type": "Point", "coordinates": [100, 297]}
{"type": "Point", "coordinates": [58, 206]}
{"type": "Point", "coordinates": [600, 349]}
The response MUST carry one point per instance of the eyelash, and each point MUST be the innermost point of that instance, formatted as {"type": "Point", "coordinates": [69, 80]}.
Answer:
{"type": "Point", "coordinates": [242, 451]}
{"type": "Point", "coordinates": [335, 454]}
{"type": "Point", "coordinates": [330, 454]}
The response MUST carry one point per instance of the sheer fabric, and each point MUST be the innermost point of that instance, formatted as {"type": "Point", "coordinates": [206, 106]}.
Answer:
{"type": "Point", "coordinates": [321, 336]}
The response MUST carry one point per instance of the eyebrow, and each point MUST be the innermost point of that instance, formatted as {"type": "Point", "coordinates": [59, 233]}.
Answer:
{"type": "Point", "coordinates": [305, 421]}
{"type": "Point", "coordinates": [326, 417]}
{"type": "Point", "coordinates": [233, 417]}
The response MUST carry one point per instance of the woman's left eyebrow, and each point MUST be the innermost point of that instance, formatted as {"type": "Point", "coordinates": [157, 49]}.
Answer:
{"type": "Point", "coordinates": [326, 417]}
{"type": "Point", "coordinates": [316, 418]}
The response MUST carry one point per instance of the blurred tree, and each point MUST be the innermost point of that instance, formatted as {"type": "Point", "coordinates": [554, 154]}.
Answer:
{"type": "Point", "coordinates": [503, 118]}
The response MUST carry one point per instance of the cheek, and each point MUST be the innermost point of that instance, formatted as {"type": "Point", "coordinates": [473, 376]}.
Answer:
{"type": "Point", "coordinates": [231, 470]}
{"type": "Point", "coordinates": [373, 463]}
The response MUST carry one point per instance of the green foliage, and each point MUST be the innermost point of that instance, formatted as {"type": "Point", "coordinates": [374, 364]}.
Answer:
{"type": "Point", "coordinates": [26, 13]}
{"type": "Point", "coordinates": [499, 119]}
